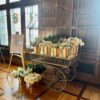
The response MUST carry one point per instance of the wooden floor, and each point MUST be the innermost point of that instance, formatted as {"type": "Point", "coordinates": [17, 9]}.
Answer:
{"type": "Point", "coordinates": [74, 90]}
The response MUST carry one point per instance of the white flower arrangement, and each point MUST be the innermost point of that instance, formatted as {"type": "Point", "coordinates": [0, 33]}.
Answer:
{"type": "Point", "coordinates": [37, 41]}
{"type": "Point", "coordinates": [27, 71]}
{"type": "Point", "coordinates": [69, 43]}
{"type": "Point", "coordinates": [65, 46]}
{"type": "Point", "coordinates": [46, 43]}
{"type": "Point", "coordinates": [77, 42]}
{"type": "Point", "coordinates": [62, 42]}
{"type": "Point", "coordinates": [31, 78]}
{"type": "Point", "coordinates": [18, 73]}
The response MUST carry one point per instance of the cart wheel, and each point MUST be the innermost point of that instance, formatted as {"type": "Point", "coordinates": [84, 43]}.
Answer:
{"type": "Point", "coordinates": [47, 77]}
{"type": "Point", "coordinates": [72, 74]}
{"type": "Point", "coordinates": [59, 80]}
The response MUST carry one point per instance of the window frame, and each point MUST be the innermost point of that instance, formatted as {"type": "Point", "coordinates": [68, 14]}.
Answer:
{"type": "Point", "coordinates": [14, 1]}
{"type": "Point", "coordinates": [18, 4]}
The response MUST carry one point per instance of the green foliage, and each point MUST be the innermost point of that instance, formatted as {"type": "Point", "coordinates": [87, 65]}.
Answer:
{"type": "Point", "coordinates": [30, 66]}
{"type": "Point", "coordinates": [53, 39]}
{"type": "Point", "coordinates": [38, 68]}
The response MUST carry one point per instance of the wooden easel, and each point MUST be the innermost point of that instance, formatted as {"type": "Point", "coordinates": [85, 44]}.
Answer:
{"type": "Point", "coordinates": [18, 55]}
{"type": "Point", "coordinates": [17, 48]}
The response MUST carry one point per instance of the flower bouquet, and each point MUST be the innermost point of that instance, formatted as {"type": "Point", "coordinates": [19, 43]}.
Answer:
{"type": "Point", "coordinates": [32, 78]}
{"type": "Point", "coordinates": [27, 77]}
{"type": "Point", "coordinates": [18, 73]}
{"type": "Point", "coordinates": [16, 76]}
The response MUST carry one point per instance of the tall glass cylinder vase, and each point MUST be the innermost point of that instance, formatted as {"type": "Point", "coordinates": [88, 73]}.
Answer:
{"type": "Point", "coordinates": [20, 94]}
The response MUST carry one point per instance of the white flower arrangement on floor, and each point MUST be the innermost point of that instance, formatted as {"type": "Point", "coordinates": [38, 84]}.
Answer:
{"type": "Point", "coordinates": [29, 76]}
{"type": "Point", "coordinates": [18, 73]}
{"type": "Point", "coordinates": [32, 78]}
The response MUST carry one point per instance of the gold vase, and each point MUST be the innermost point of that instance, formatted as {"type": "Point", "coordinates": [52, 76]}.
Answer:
{"type": "Point", "coordinates": [51, 52]}
{"type": "Point", "coordinates": [65, 53]}
{"type": "Point", "coordinates": [46, 50]}
{"type": "Point", "coordinates": [41, 50]}
{"type": "Point", "coordinates": [34, 49]}
{"type": "Point", "coordinates": [56, 50]}
{"type": "Point", "coordinates": [61, 53]}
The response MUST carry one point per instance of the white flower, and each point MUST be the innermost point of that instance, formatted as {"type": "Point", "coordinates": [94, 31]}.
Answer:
{"type": "Point", "coordinates": [31, 81]}
{"type": "Point", "coordinates": [18, 73]}
{"type": "Point", "coordinates": [82, 44]}
{"type": "Point", "coordinates": [20, 69]}
{"type": "Point", "coordinates": [31, 78]}
{"type": "Point", "coordinates": [26, 72]}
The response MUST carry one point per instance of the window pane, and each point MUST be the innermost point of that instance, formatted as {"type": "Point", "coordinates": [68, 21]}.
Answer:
{"type": "Point", "coordinates": [15, 21]}
{"type": "Point", "coordinates": [14, 1]}
{"type": "Point", "coordinates": [3, 28]}
{"type": "Point", "coordinates": [2, 2]}
{"type": "Point", "coordinates": [31, 22]}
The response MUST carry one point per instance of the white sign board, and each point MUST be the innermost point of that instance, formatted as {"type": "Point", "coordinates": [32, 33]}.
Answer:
{"type": "Point", "coordinates": [17, 44]}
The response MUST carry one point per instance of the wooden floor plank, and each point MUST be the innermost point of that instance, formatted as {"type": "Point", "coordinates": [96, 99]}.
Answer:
{"type": "Point", "coordinates": [91, 92]}
{"type": "Point", "coordinates": [73, 90]}
{"type": "Point", "coordinates": [53, 95]}
{"type": "Point", "coordinates": [74, 87]}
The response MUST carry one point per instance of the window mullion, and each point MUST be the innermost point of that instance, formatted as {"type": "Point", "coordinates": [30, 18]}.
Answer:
{"type": "Point", "coordinates": [9, 25]}
{"type": "Point", "coordinates": [23, 22]}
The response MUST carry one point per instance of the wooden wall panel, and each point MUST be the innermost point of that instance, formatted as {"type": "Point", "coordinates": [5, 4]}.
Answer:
{"type": "Point", "coordinates": [87, 21]}
{"type": "Point", "coordinates": [90, 36]}
{"type": "Point", "coordinates": [56, 15]}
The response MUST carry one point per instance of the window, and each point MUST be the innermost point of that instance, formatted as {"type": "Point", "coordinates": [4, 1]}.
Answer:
{"type": "Point", "coordinates": [31, 22]}
{"type": "Point", "coordinates": [2, 2]}
{"type": "Point", "coordinates": [15, 21]}
{"type": "Point", "coordinates": [14, 1]}
{"type": "Point", "coordinates": [16, 9]}
{"type": "Point", "coordinates": [3, 28]}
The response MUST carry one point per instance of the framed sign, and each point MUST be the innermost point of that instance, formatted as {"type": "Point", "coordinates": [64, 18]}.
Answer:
{"type": "Point", "coordinates": [17, 44]}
